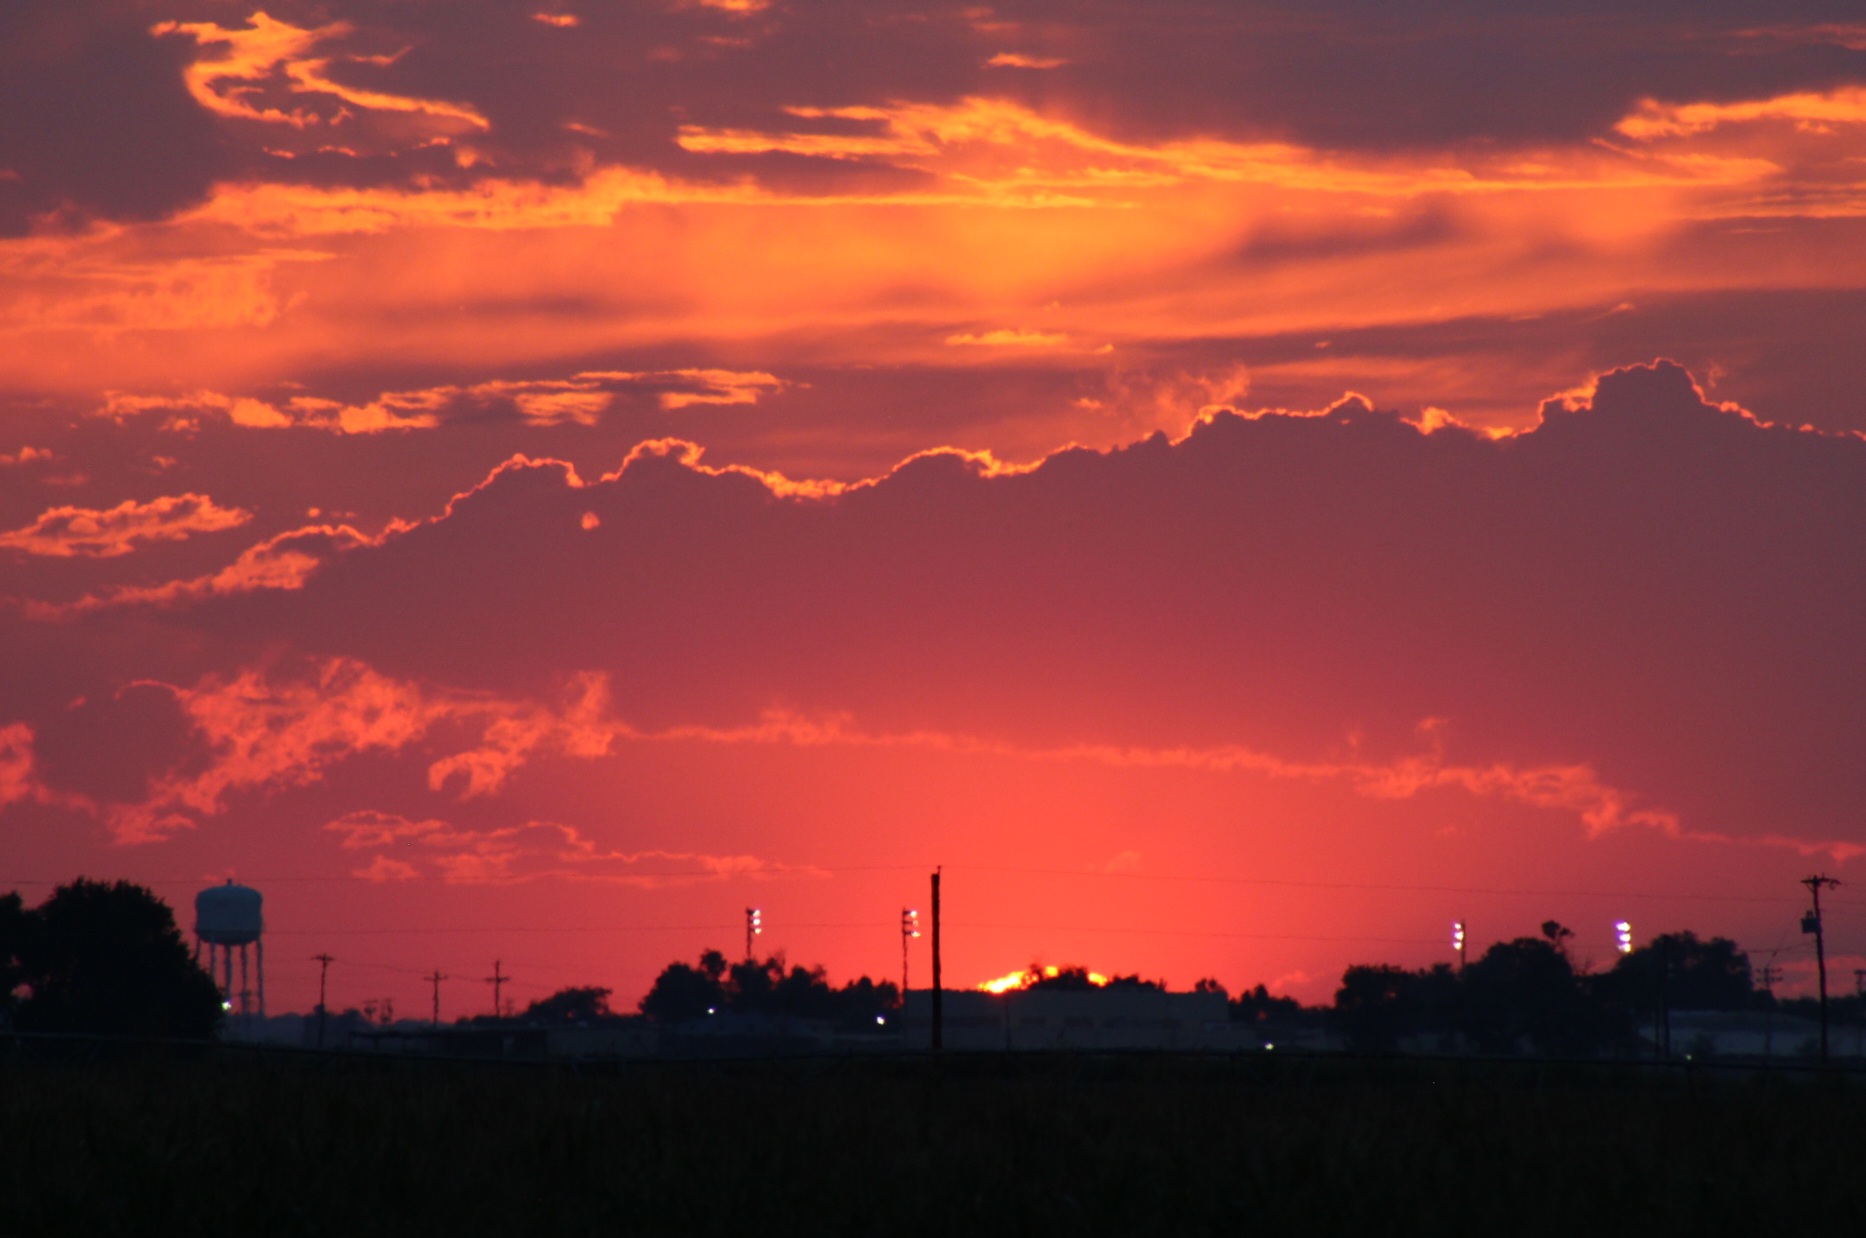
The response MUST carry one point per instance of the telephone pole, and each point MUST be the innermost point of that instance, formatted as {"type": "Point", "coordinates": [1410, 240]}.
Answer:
{"type": "Point", "coordinates": [1811, 923]}
{"type": "Point", "coordinates": [498, 981]}
{"type": "Point", "coordinates": [938, 1029]}
{"type": "Point", "coordinates": [1768, 976]}
{"type": "Point", "coordinates": [435, 980]}
{"type": "Point", "coordinates": [323, 971]}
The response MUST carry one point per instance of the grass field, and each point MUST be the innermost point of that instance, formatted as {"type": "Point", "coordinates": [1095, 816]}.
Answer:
{"type": "Point", "coordinates": [223, 1144]}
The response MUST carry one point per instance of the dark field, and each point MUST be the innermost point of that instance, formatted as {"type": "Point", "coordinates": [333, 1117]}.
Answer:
{"type": "Point", "coordinates": [224, 1144]}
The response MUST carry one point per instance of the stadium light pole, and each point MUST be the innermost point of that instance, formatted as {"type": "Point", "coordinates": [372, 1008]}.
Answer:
{"type": "Point", "coordinates": [1457, 941]}
{"type": "Point", "coordinates": [910, 929]}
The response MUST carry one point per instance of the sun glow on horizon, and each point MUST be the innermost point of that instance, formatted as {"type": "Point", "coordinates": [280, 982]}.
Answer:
{"type": "Point", "coordinates": [1029, 976]}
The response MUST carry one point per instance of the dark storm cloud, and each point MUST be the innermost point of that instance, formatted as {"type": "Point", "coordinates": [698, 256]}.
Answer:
{"type": "Point", "coordinates": [94, 119]}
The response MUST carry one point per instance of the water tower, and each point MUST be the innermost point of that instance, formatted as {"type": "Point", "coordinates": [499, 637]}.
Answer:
{"type": "Point", "coordinates": [226, 916]}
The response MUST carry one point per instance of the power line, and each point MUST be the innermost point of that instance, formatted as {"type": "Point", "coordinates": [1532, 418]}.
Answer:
{"type": "Point", "coordinates": [1157, 932]}
{"type": "Point", "coordinates": [1396, 887]}
{"type": "Point", "coordinates": [1205, 878]}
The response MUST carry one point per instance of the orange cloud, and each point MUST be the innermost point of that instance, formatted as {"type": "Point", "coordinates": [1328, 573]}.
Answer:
{"type": "Point", "coordinates": [270, 732]}
{"type": "Point", "coordinates": [83, 532]}
{"type": "Point", "coordinates": [284, 561]}
{"type": "Point", "coordinates": [1653, 119]}
{"type": "Point", "coordinates": [25, 455]}
{"type": "Point", "coordinates": [580, 399]}
{"type": "Point", "coordinates": [1017, 60]}
{"type": "Point", "coordinates": [564, 21]}
{"type": "Point", "coordinates": [240, 67]}
{"type": "Point", "coordinates": [1005, 337]}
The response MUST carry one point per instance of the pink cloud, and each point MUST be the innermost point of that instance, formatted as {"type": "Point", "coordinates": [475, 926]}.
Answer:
{"type": "Point", "coordinates": [16, 776]}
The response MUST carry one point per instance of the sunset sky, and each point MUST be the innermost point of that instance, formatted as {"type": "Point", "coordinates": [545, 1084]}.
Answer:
{"type": "Point", "coordinates": [1239, 484]}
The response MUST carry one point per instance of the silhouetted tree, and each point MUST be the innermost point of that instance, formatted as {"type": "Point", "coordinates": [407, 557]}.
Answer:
{"type": "Point", "coordinates": [765, 988]}
{"type": "Point", "coordinates": [1526, 989]}
{"type": "Point", "coordinates": [684, 992]}
{"type": "Point", "coordinates": [12, 944]}
{"type": "Point", "coordinates": [107, 958]}
{"type": "Point", "coordinates": [1066, 979]}
{"type": "Point", "coordinates": [1258, 1005]}
{"type": "Point", "coordinates": [1703, 975]}
{"type": "Point", "coordinates": [1374, 1007]}
{"type": "Point", "coordinates": [586, 1004]}
{"type": "Point", "coordinates": [1209, 984]}
{"type": "Point", "coordinates": [1135, 982]}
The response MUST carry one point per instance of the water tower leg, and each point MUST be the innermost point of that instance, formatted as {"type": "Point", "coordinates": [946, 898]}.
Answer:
{"type": "Point", "coordinates": [226, 962]}
{"type": "Point", "coordinates": [246, 986]}
{"type": "Point", "coordinates": [259, 948]}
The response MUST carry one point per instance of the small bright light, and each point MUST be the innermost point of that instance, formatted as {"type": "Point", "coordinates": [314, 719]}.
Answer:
{"type": "Point", "coordinates": [226, 1005]}
{"type": "Point", "coordinates": [1267, 1048]}
{"type": "Point", "coordinates": [881, 1018]}
{"type": "Point", "coordinates": [1623, 936]}
{"type": "Point", "coordinates": [1457, 935]}
{"type": "Point", "coordinates": [710, 1010]}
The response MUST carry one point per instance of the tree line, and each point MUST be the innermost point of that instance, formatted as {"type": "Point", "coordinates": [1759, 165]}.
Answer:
{"type": "Point", "coordinates": [1529, 992]}
{"type": "Point", "coordinates": [108, 958]}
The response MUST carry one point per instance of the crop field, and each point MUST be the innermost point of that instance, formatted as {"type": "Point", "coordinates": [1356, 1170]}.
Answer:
{"type": "Point", "coordinates": [224, 1144]}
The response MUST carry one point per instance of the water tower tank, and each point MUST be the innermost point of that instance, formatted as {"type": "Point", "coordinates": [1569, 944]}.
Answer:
{"type": "Point", "coordinates": [228, 915]}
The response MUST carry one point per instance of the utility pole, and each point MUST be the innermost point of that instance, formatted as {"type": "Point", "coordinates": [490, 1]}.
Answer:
{"type": "Point", "coordinates": [435, 980]}
{"type": "Point", "coordinates": [1769, 975]}
{"type": "Point", "coordinates": [323, 971]}
{"type": "Point", "coordinates": [910, 929]}
{"type": "Point", "coordinates": [754, 925]}
{"type": "Point", "coordinates": [498, 981]}
{"type": "Point", "coordinates": [1811, 923]}
{"type": "Point", "coordinates": [938, 1028]}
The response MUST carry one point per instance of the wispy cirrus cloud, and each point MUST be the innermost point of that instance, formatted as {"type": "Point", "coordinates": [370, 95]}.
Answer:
{"type": "Point", "coordinates": [401, 849]}
{"type": "Point", "coordinates": [266, 731]}
{"type": "Point", "coordinates": [92, 533]}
